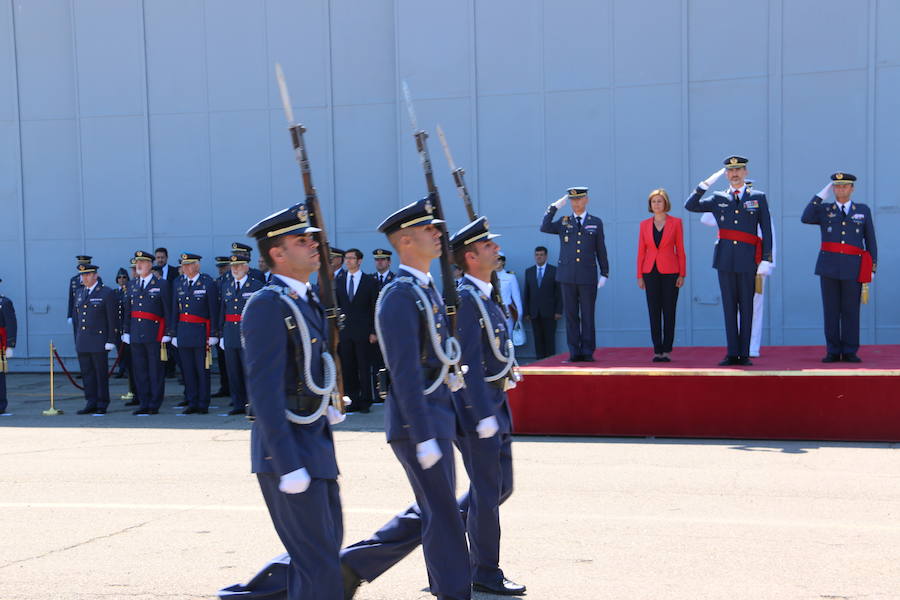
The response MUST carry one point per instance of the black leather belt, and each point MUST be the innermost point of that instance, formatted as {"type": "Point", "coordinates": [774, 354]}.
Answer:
{"type": "Point", "coordinates": [302, 405]}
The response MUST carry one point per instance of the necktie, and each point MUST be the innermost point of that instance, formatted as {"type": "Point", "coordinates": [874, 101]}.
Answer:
{"type": "Point", "coordinates": [540, 275]}
{"type": "Point", "coordinates": [237, 287]}
{"type": "Point", "coordinates": [578, 220]}
{"type": "Point", "coordinates": [143, 284]}
{"type": "Point", "coordinates": [311, 297]}
{"type": "Point", "coordinates": [350, 288]}
{"type": "Point", "coordinates": [844, 209]}
{"type": "Point", "coordinates": [737, 195]}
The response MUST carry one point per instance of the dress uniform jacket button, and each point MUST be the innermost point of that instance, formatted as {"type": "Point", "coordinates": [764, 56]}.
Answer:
{"type": "Point", "coordinates": [736, 211]}
{"type": "Point", "coordinates": [577, 260]}
{"type": "Point", "coordinates": [735, 221]}
{"type": "Point", "coordinates": [734, 242]}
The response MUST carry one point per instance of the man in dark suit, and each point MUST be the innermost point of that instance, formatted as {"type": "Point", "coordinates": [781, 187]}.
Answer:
{"type": "Point", "coordinates": [357, 293]}
{"type": "Point", "coordinates": [96, 312]}
{"type": "Point", "coordinates": [543, 303]}
{"type": "Point", "coordinates": [167, 271]}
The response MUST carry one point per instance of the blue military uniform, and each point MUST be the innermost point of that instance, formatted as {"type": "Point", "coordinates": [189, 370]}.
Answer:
{"type": "Point", "coordinates": [309, 523]}
{"type": "Point", "coordinates": [223, 281]}
{"type": "Point", "coordinates": [413, 416]}
{"type": "Point", "coordinates": [196, 304]}
{"type": "Point", "coordinates": [582, 249]}
{"type": "Point", "coordinates": [148, 317]}
{"type": "Point", "coordinates": [234, 298]}
{"type": "Point", "coordinates": [8, 331]}
{"type": "Point", "coordinates": [739, 215]}
{"type": "Point", "coordinates": [253, 273]}
{"type": "Point", "coordinates": [848, 234]}
{"type": "Point", "coordinates": [74, 284]}
{"type": "Point", "coordinates": [382, 279]}
{"type": "Point", "coordinates": [95, 322]}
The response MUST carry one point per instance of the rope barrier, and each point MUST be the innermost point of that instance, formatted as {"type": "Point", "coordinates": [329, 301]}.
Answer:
{"type": "Point", "coordinates": [72, 379]}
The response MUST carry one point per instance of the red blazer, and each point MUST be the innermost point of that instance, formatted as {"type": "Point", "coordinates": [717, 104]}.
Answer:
{"type": "Point", "coordinates": [669, 257]}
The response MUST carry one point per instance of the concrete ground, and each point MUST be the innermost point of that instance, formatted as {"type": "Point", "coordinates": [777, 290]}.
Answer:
{"type": "Point", "coordinates": [165, 507]}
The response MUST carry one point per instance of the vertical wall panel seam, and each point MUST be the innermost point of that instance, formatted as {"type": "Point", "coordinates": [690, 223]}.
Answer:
{"type": "Point", "coordinates": [398, 108]}
{"type": "Point", "coordinates": [473, 96]}
{"type": "Point", "coordinates": [542, 96]}
{"type": "Point", "coordinates": [209, 142]}
{"type": "Point", "coordinates": [775, 118]}
{"type": "Point", "coordinates": [269, 70]}
{"type": "Point", "coordinates": [871, 107]}
{"type": "Point", "coordinates": [77, 100]}
{"type": "Point", "coordinates": [688, 327]}
{"type": "Point", "coordinates": [148, 163]}
{"type": "Point", "coordinates": [613, 176]}
{"type": "Point", "coordinates": [332, 142]}
{"type": "Point", "coordinates": [24, 335]}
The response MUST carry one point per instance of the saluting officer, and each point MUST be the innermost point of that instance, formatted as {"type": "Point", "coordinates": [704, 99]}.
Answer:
{"type": "Point", "coordinates": [420, 419]}
{"type": "Point", "coordinates": [235, 293]}
{"type": "Point", "coordinates": [847, 260]}
{"type": "Point", "coordinates": [95, 336]}
{"type": "Point", "coordinates": [8, 330]}
{"type": "Point", "coordinates": [292, 449]}
{"type": "Point", "coordinates": [740, 254]}
{"type": "Point", "coordinates": [582, 249]}
{"type": "Point", "coordinates": [253, 272]}
{"type": "Point", "coordinates": [74, 284]}
{"type": "Point", "coordinates": [223, 281]}
{"type": "Point", "coordinates": [148, 317]}
{"type": "Point", "coordinates": [196, 299]}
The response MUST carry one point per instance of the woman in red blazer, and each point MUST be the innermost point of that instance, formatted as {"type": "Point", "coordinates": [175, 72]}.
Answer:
{"type": "Point", "coordinates": [661, 269]}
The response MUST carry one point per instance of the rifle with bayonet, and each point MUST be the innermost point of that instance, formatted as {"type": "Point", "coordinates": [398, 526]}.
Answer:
{"type": "Point", "coordinates": [463, 191]}
{"type": "Point", "coordinates": [448, 283]}
{"type": "Point", "coordinates": [333, 314]}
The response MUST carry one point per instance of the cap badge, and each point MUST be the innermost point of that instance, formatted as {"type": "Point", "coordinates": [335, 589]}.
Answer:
{"type": "Point", "coordinates": [302, 214]}
{"type": "Point", "coordinates": [184, 257]}
{"type": "Point", "coordinates": [733, 160]}
{"type": "Point", "coordinates": [233, 258]}
{"type": "Point", "coordinates": [839, 176]}
{"type": "Point", "coordinates": [429, 208]}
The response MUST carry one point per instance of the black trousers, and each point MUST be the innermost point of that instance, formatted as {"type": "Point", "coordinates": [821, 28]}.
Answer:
{"type": "Point", "coordinates": [356, 362]}
{"type": "Point", "coordinates": [95, 378]}
{"type": "Point", "coordinates": [737, 305]}
{"type": "Point", "coordinates": [544, 329]}
{"type": "Point", "coordinates": [662, 298]}
{"type": "Point", "coordinates": [224, 380]}
{"type": "Point", "coordinates": [840, 303]}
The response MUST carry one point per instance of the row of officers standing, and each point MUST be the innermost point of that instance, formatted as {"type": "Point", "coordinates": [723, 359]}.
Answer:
{"type": "Point", "coordinates": [165, 315]}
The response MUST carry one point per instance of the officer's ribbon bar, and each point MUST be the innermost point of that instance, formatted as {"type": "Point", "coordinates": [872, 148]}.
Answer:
{"type": "Point", "coordinates": [865, 263]}
{"type": "Point", "coordinates": [743, 236]}
{"type": "Point", "coordinates": [139, 314]}
{"type": "Point", "coordinates": [233, 318]}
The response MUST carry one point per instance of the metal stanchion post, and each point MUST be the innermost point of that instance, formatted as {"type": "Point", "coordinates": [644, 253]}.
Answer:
{"type": "Point", "coordinates": [52, 412]}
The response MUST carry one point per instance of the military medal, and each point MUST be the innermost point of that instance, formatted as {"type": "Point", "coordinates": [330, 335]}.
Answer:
{"type": "Point", "coordinates": [566, 238]}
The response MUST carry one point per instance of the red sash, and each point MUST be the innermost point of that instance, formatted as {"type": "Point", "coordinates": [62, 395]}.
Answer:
{"type": "Point", "coordinates": [233, 318]}
{"type": "Point", "coordinates": [139, 314]}
{"type": "Point", "coordinates": [747, 238]}
{"type": "Point", "coordinates": [195, 319]}
{"type": "Point", "coordinates": [2, 338]}
{"type": "Point", "coordinates": [865, 264]}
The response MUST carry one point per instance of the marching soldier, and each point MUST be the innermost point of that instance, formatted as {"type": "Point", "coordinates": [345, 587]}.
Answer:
{"type": "Point", "coordinates": [740, 254]}
{"type": "Point", "coordinates": [582, 249]}
{"type": "Point", "coordinates": [383, 273]}
{"type": "Point", "coordinates": [420, 419]}
{"type": "Point", "coordinates": [74, 284]}
{"type": "Point", "coordinates": [847, 262]}
{"type": "Point", "coordinates": [148, 315]}
{"type": "Point", "coordinates": [8, 330]}
{"type": "Point", "coordinates": [235, 292]}
{"type": "Point", "coordinates": [223, 281]}
{"type": "Point", "coordinates": [253, 272]}
{"type": "Point", "coordinates": [95, 335]}
{"type": "Point", "coordinates": [196, 300]}
{"type": "Point", "coordinates": [292, 449]}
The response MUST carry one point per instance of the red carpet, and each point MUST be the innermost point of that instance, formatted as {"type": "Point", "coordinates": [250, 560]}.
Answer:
{"type": "Point", "coordinates": [787, 394]}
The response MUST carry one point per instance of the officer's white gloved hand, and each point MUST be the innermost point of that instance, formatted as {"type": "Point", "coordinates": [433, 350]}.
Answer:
{"type": "Point", "coordinates": [708, 219]}
{"type": "Point", "coordinates": [428, 453]}
{"type": "Point", "coordinates": [295, 482]}
{"type": "Point", "coordinates": [487, 427]}
{"type": "Point", "coordinates": [334, 415]}
{"type": "Point", "coordinates": [826, 191]}
{"type": "Point", "coordinates": [109, 347]}
{"type": "Point", "coordinates": [711, 179]}
{"type": "Point", "coordinates": [165, 339]}
{"type": "Point", "coordinates": [69, 320]}
{"type": "Point", "coordinates": [126, 337]}
{"type": "Point", "coordinates": [560, 203]}
{"type": "Point", "coordinates": [9, 353]}
{"type": "Point", "coordinates": [212, 341]}
{"type": "Point", "coordinates": [222, 343]}
{"type": "Point", "coordinates": [175, 341]}
{"type": "Point", "coordinates": [601, 282]}
{"type": "Point", "coordinates": [455, 382]}
{"type": "Point", "coordinates": [764, 268]}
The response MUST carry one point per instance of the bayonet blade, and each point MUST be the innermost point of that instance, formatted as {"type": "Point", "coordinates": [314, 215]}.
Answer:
{"type": "Point", "coordinates": [285, 97]}
{"type": "Point", "coordinates": [446, 147]}
{"type": "Point", "coordinates": [409, 107]}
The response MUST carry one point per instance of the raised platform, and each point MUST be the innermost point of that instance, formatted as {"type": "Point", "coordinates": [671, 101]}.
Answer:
{"type": "Point", "coordinates": [788, 393]}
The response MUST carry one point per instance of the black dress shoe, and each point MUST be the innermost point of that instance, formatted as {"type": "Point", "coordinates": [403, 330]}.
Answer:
{"type": "Point", "coordinates": [190, 410]}
{"type": "Point", "coordinates": [744, 361]}
{"type": "Point", "coordinates": [99, 411]}
{"type": "Point", "coordinates": [665, 359]}
{"type": "Point", "coordinates": [851, 358]}
{"type": "Point", "coordinates": [133, 403]}
{"type": "Point", "coordinates": [588, 358]}
{"type": "Point", "coordinates": [728, 361]}
{"type": "Point", "coordinates": [88, 410]}
{"type": "Point", "coordinates": [182, 403]}
{"type": "Point", "coordinates": [658, 359]}
{"type": "Point", "coordinates": [504, 588]}
{"type": "Point", "coordinates": [236, 411]}
{"type": "Point", "coordinates": [831, 358]}
{"type": "Point", "coordinates": [351, 582]}
{"type": "Point", "coordinates": [221, 394]}
{"type": "Point", "coordinates": [141, 411]}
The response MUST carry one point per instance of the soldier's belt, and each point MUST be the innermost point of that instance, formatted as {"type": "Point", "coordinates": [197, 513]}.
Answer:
{"type": "Point", "coordinates": [743, 236]}
{"type": "Point", "coordinates": [302, 405]}
{"type": "Point", "coordinates": [233, 318]}
{"type": "Point", "coordinates": [865, 264]}
{"type": "Point", "coordinates": [185, 318]}
{"type": "Point", "coordinates": [139, 314]}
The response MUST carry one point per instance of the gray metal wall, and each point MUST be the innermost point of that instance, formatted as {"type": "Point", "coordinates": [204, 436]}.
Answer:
{"type": "Point", "coordinates": [130, 124]}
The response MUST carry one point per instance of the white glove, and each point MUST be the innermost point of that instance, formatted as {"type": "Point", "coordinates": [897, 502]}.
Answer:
{"type": "Point", "coordinates": [601, 282]}
{"type": "Point", "coordinates": [212, 341]}
{"type": "Point", "coordinates": [487, 427]}
{"type": "Point", "coordinates": [109, 347]}
{"type": "Point", "coordinates": [295, 482]}
{"type": "Point", "coordinates": [560, 203]}
{"type": "Point", "coordinates": [126, 337]}
{"type": "Point", "coordinates": [764, 268]}
{"type": "Point", "coordinates": [712, 179]}
{"type": "Point", "coordinates": [826, 191]}
{"type": "Point", "coordinates": [428, 453]}
{"type": "Point", "coordinates": [334, 415]}
{"type": "Point", "coordinates": [9, 353]}
{"type": "Point", "coordinates": [708, 219]}
{"type": "Point", "coordinates": [69, 320]}
{"type": "Point", "coordinates": [222, 343]}
{"type": "Point", "coordinates": [455, 382]}
{"type": "Point", "coordinates": [175, 341]}
{"type": "Point", "coordinates": [165, 339]}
